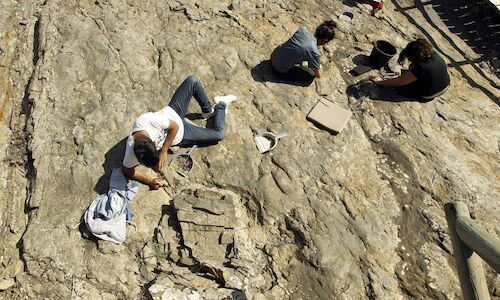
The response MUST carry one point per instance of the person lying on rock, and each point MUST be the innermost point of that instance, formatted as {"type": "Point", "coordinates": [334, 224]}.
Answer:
{"type": "Point", "coordinates": [427, 76]}
{"type": "Point", "coordinates": [154, 132]}
{"type": "Point", "coordinates": [298, 59]}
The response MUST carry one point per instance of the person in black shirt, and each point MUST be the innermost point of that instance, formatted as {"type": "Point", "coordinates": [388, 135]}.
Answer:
{"type": "Point", "coordinates": [427, 76]}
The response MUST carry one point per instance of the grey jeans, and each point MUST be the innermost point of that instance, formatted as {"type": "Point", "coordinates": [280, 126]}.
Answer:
{"type": "Point", "coordinates": [194, 135]}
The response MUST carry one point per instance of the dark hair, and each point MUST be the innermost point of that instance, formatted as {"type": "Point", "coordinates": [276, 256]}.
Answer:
{"type": "Point", "coordinates": [416, 51]}
{"type": "Point", "coordinates": [145, 151]}
{"type": "Point", "coordinates": [326, 31]}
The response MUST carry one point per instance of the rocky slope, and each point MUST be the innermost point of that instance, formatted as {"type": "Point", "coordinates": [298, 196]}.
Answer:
{"type": "Point", "coordinates": [350, 216]}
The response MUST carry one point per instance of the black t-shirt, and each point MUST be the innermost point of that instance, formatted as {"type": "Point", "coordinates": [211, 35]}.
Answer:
{"type": "Point", "coordinates": [432, 75]}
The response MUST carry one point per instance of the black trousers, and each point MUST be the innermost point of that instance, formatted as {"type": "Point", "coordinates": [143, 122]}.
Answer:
{"type": "Point", "coordinates": [295, 75]}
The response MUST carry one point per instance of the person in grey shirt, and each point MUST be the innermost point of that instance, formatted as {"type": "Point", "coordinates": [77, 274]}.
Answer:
{"type": "Point", "coordinates": [298, 59]}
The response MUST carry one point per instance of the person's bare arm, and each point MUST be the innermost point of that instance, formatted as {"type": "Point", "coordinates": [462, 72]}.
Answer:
{"type": "Point", "coordinates": [131, 173]}
{"type": "Point", "coordinates": [172, 130]}
{"type": "Point", "coordinates": [317, 73]}
{"type": "Point", "coordinates": [406, 78]}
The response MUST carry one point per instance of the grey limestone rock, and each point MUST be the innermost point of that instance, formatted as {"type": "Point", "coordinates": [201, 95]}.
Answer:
{"type": "Point", "coordinates": [357, 215]}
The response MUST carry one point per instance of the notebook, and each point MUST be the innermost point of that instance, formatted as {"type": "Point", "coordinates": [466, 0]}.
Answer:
{"type": "Point", "coordinates": [329, 115]}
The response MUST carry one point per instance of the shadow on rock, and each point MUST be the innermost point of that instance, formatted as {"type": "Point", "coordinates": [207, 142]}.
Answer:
{"type": "Point", "coordinates": [354, 3]}
{"type": "Point", "coordinates": [264, 72]}
{"type": "Point", "coordinates": [85, 233]}
{"type": "Point", "coordinates": [194, 116]}
{"type": "Point", "coordinates": [368, 90]}
{"type": "Point", "coordinates": [112, 159]}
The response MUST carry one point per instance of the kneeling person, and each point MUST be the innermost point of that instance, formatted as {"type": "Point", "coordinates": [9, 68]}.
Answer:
{"type": "Point", "coordinates": [427, 77]}
{"type": "Point", "coordinates": [154, 132]}
{"type": "Point", "coordinates": [302, 47]}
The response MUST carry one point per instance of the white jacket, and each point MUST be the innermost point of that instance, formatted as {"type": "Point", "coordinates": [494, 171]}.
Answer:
{"type": "Point", "coordinates": [107, 216]}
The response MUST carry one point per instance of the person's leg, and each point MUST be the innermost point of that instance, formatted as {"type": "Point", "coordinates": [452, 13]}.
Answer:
{"type": "Point", "coordinates": [215, 131]}
{"type": "Point", "coordinates": [190, 87]}
{"type": "Point", "coordinates": [299, 75]}
{"type": "Point", "coordinates": [411, 91]}
{"type": "Point", "coordinates": [295, 75]}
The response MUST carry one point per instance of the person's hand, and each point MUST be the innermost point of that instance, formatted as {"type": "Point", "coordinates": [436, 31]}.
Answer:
{"type": "Point", "coordinates": [161, 161]}
{"type": "Point", "coordinates": [156, 183]}
{"type": "Point", "coordinates": [375, 78]}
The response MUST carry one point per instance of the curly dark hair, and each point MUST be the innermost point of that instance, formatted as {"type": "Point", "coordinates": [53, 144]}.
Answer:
{"type": "Point", "coordinates": [145, 151]}
{"type": "Point", "coordinates": [416, 51]}
{"type": "Point", "coordinates": [326, 31]}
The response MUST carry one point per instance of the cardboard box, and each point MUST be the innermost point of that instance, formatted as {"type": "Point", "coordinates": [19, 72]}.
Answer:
{"type": "Point", "coordinates": [329, 115]}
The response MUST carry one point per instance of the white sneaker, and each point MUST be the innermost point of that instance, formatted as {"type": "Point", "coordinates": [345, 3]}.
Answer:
{"type": "Point", "coordinates": [189, 121]}
{"type": "Point", "coordinates": [206, 115]}
{"type": "Point", "coordinates": [226, 99]}
{"type": "Point", "coordinates": [174, 149]}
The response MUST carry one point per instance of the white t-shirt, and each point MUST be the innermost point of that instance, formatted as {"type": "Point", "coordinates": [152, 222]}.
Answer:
{"type": "Point", "coordinates": [155, 124]}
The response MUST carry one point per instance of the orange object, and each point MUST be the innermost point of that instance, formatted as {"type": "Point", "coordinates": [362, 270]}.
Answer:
{"type": "Point", "coordinates": [377, 4]}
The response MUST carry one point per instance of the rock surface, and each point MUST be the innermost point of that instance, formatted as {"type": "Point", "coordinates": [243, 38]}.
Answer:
{"type": "Point", "coordinates": [358, 215]}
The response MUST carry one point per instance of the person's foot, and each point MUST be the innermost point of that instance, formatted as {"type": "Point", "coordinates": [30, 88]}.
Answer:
{"type": "Point", "coordinates": [206, 115]}
{"type": "Point", "coordinates": [174, 149]}
{"type": "Point", "coordinates": [226, 100]}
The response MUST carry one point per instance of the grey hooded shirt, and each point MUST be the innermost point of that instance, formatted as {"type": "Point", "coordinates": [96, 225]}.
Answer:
{"type": "Point", "coordinates": [302, 46]}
